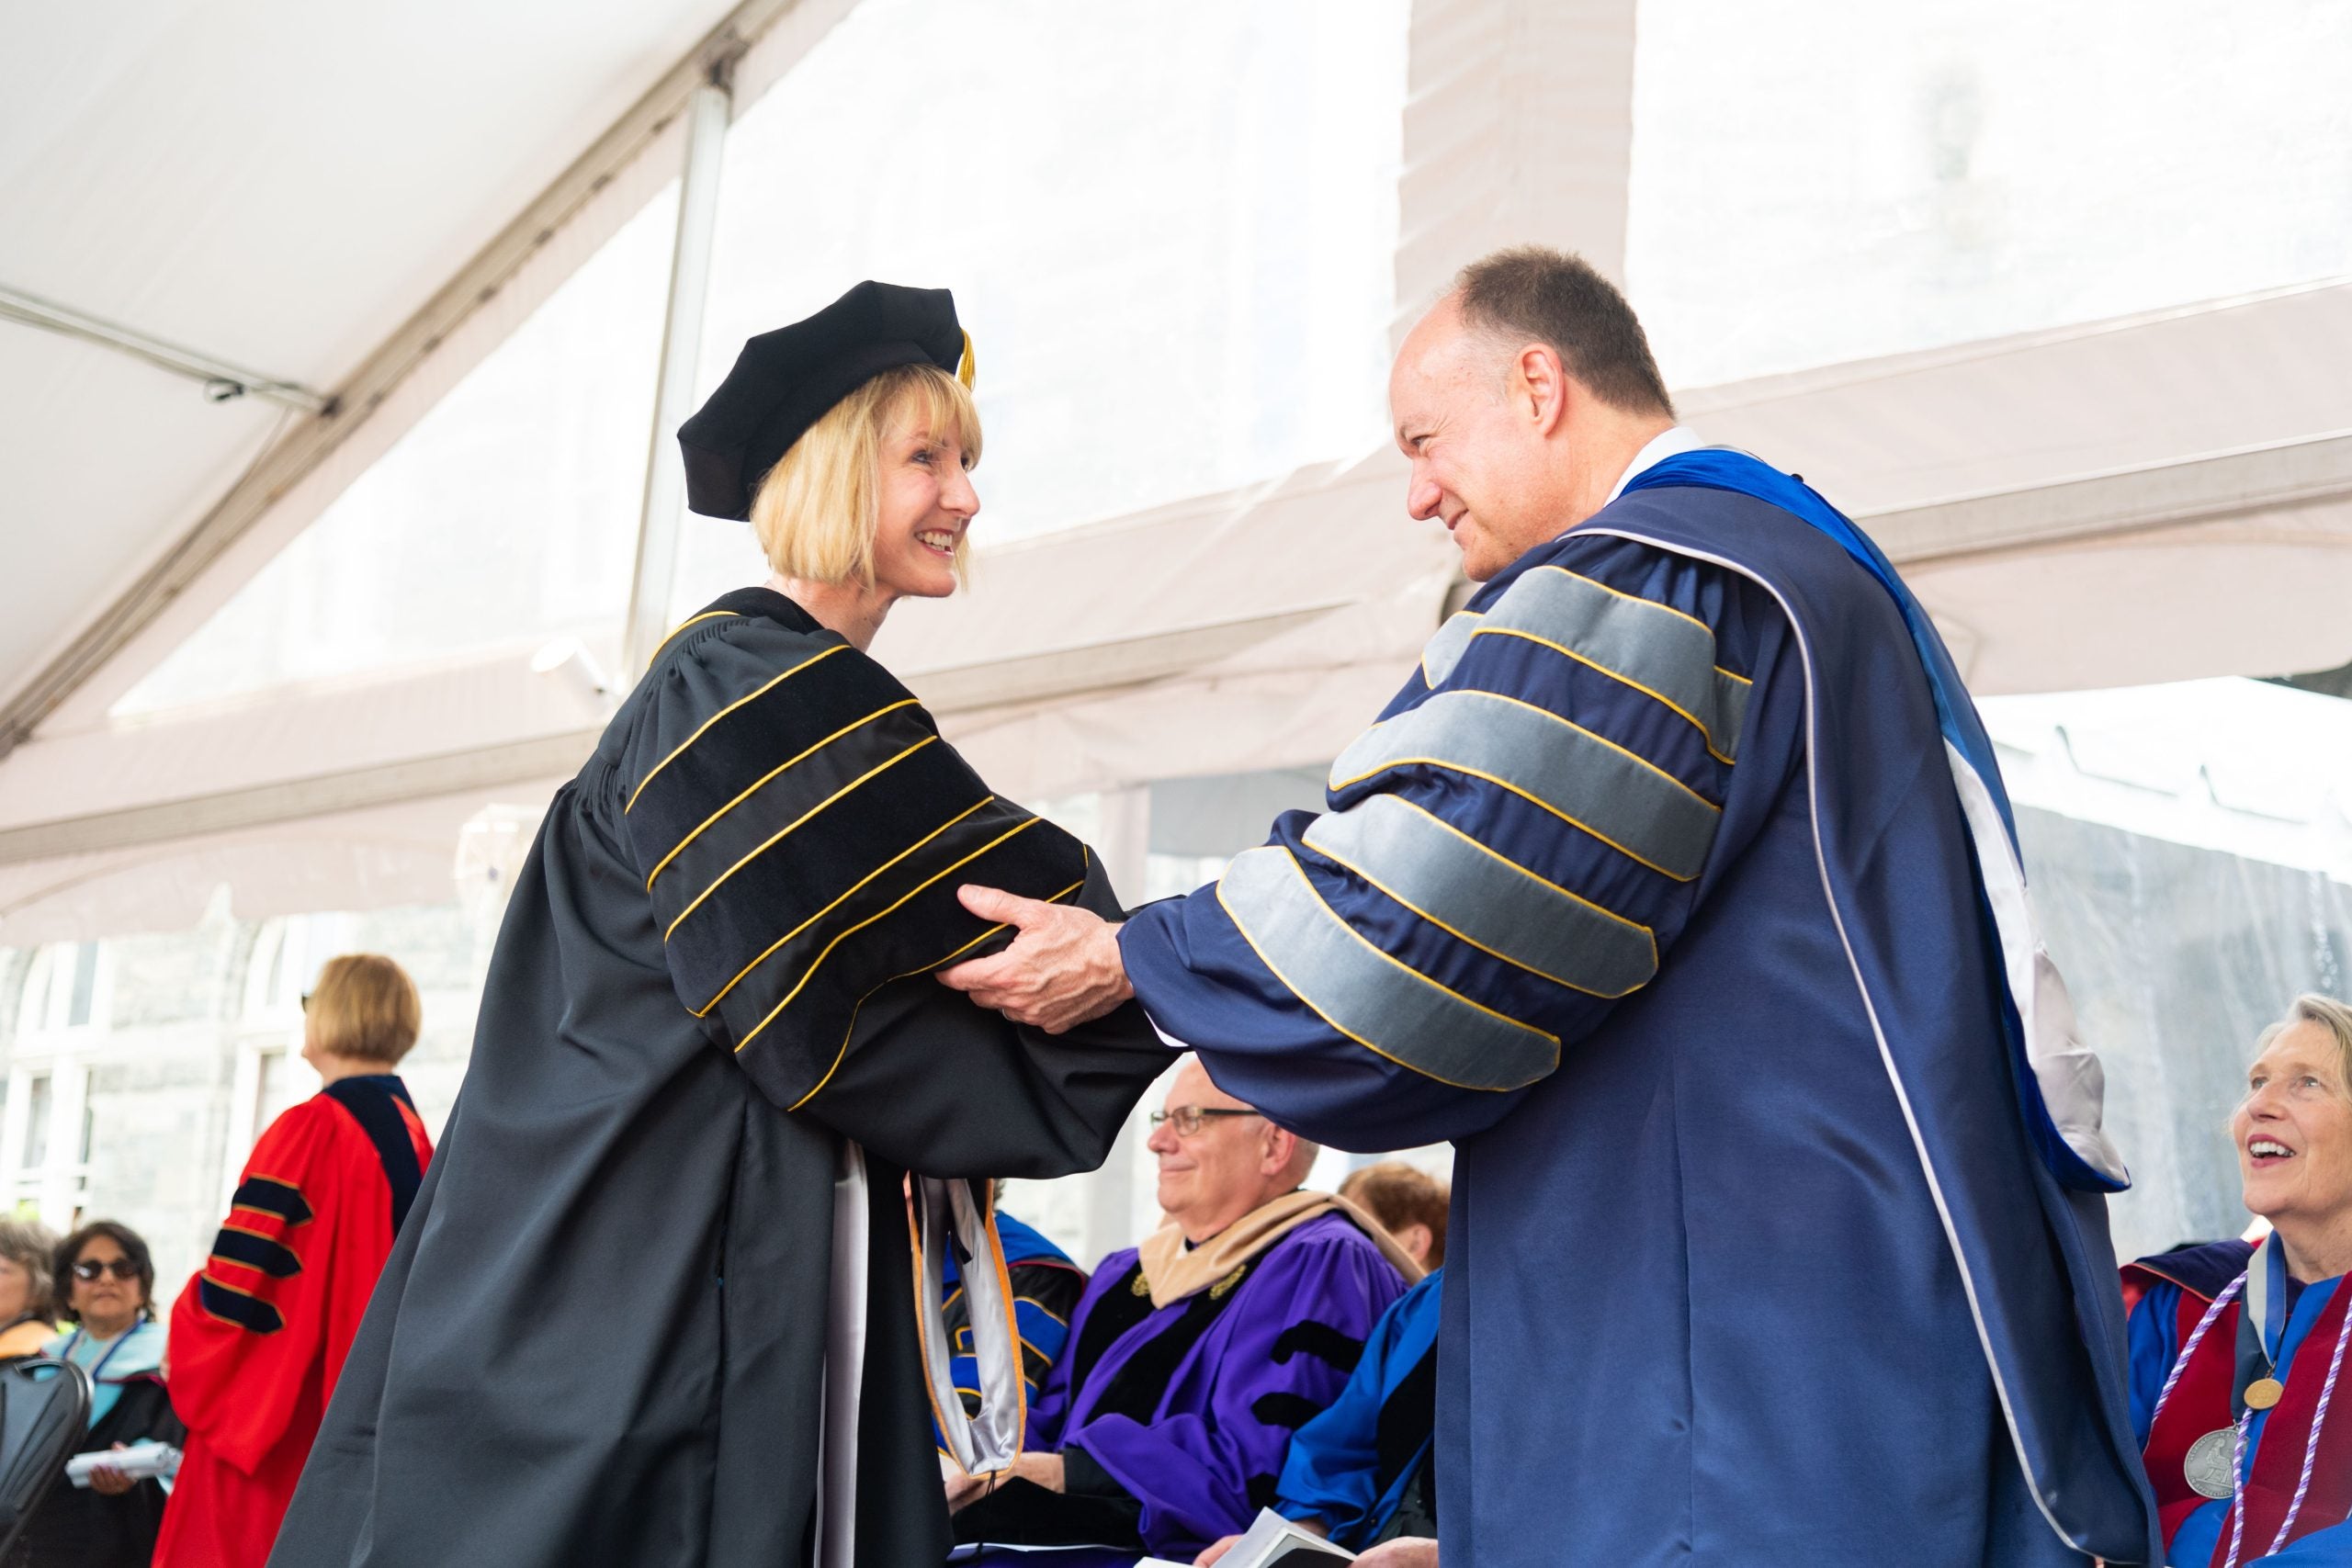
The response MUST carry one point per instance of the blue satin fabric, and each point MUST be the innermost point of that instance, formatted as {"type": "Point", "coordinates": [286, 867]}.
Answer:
{"type": "Point", "coordinates": [1720, 469]}
{"type": "Point", "coordinates": [1332, 1471]}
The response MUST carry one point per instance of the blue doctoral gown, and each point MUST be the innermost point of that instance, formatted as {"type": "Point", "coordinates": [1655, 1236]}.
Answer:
{"type": "Point", "coordinates": [1652, 891]}
{"type": "Point", "coordinates": [1351, 1466]}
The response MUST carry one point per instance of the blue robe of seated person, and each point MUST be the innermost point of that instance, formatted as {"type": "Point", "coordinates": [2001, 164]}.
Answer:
{"type": "Point", "coordinates": [1352, 1466]}
{"type": "Point", "coordinates": [1653, 891]}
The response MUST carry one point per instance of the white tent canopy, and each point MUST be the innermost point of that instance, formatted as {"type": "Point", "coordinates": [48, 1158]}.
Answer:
{"type": "Point", "coordinates": [2157, 497]}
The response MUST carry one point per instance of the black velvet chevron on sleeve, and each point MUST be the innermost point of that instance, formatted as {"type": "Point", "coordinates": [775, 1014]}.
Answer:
{"type": "Point", "coordinates": [802, 842]}
{"type": "Point", "coordinates": [1321, 1340]}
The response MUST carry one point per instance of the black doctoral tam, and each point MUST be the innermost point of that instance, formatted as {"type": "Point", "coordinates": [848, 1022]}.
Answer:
{"type": "Point", "coordinates": [786, 380]}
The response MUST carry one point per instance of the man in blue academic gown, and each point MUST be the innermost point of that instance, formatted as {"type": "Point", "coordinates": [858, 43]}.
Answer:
{"type": "Point", "coordinates": [1676, 888]}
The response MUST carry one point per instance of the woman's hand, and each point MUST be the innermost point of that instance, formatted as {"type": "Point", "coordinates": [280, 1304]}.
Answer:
{"type": "Point", "coordinates": [108, 1482]}
{"type": "Point", "coordinates": [1405, 1551]}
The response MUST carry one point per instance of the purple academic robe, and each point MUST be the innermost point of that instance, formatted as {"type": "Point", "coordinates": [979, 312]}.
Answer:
{"type": "Point", "coordinates": [1189, 1408]}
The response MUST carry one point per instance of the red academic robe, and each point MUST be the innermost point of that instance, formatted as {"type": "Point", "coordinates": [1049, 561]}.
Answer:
{"type": "Point", "coordinates": [260, 1334]}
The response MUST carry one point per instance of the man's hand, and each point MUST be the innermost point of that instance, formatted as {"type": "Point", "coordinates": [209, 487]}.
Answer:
{"type": "Point", "coordinates": [1405, 1551]}
{"type": "Point", "coordinates": [1312, 1525]}
{"type": "Point", "coordinates": [963, 1489]}
{"type": "Point", "coordinates": [1041, 1470]}
{"type": "Point", "coordinates": [1062, 970]}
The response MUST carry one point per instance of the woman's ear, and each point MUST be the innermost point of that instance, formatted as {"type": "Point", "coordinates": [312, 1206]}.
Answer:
{"type": "Point", "coordinates": [1415, 1239]}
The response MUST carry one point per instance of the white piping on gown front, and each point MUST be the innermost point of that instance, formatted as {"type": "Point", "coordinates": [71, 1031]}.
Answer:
{"type": "Point", "coordinates": [1870, 1008]}
{"type": "Point", "coordinates": [844, 1365]}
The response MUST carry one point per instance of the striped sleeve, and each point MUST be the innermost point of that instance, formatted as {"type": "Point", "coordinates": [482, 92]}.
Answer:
{"type": "Point", "coordinates": [800, 829]}
{"type": "Point", "coordinates": [250, 1335]}
{"type": "Point", "coordinates": [1511, 851]}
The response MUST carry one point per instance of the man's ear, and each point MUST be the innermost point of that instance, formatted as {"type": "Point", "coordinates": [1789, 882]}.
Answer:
{"type": "Point", "coordinates": [1280, 1144]}
{"type": "Point", "coordinates": [1540, 387]}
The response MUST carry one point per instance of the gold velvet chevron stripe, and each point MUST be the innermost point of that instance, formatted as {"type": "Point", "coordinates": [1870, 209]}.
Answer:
{"type": "Point", "coordinates": [941, 963]}
{"type": "Point", "coordinates": [1486, 900]}
{"type": "Point", "coordinates": [769, 777]}
{"type": "Point", "coordinates": [1586, 780]}
{"type": "Point", "coordinates": [773, 947]}
{"type": "Point", "coordinates": [688, 624]}
{"type": "Point", "coordinates": [1378, 1001]}
{"type": "Point", "coordinates": [704, 728]}
{"type": "Point", "coordinates": [782, 833]}
{"type": "Point", "coordinates": [815, 963]}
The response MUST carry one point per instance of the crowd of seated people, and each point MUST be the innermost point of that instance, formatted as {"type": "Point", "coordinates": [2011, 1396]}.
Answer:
{"type": "Point", "coordinates": [1270, 1348]}
{"type": "Point", "coordinates": [1273, 1346]}
{"type": "Point", "coordinates": [256, 1337]}
{"type": "Point", "coordinates": [1193, 1359]}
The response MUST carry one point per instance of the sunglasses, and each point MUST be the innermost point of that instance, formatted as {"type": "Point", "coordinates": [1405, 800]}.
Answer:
{"type": "Point", "coordinates": [89, 1268]}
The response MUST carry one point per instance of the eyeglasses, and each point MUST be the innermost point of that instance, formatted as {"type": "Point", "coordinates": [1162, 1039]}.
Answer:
{"type": "Point", "coordinates": [306, 1000]}
{"type": "Point", "coordinates": [89, 1268]}
{"type": "Point", "coordinates": [1189, 1119]}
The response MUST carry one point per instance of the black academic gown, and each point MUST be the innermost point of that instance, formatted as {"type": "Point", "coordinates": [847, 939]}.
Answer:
{"type": "Point", "coordinates": [601, 1338]}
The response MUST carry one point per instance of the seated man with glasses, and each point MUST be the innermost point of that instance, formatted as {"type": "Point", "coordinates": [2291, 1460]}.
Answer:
{"type": "Point", "coordinates": [1193, 1357]}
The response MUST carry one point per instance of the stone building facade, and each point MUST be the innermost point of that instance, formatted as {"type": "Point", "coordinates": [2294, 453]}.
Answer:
{"type": "Point", "coordinates": [141, 1068]}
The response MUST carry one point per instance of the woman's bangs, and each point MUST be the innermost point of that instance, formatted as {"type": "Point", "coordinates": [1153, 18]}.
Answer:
{"type": "Point", "coordinates": [939, 403]}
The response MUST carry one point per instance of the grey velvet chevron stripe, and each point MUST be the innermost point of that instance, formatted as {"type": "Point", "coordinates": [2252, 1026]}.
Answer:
{"type": "Point", "coordinates": [1451, 880]}
{"type": "Point", "coordinates": [1586, 781]}
{"type": "Point", "coordinates": [1649, 645]}
{"type": "Point", "coordinates": [1439, 654]}
{"type": "Point", "coordinates": [1364, 994]}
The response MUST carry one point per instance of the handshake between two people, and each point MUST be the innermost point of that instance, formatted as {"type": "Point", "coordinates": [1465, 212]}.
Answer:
{"type": "Point", "coordinates": [1062, 969]}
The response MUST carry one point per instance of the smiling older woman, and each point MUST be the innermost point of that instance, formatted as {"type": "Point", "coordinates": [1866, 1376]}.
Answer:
{"type": "Point", "coordinates": [655, 1301]}
{"type": "Point", "coordinates": [2237, 1348]}
{"type": "Point", "coordinates": [108, 1281]}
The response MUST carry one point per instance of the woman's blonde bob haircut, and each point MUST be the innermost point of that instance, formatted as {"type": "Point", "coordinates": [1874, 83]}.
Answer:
{"type": "Point", "coordinates": [366, 1008]}
{"type": "Point", "coordinates": [816, 513]}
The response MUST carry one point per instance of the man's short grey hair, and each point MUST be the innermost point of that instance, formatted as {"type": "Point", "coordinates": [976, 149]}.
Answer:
{"type": "Point", "coordinates": [1534, 294]}
{"type": "Point", "coordinates": [2330, 1014]}
{"type": "Point", "coordinates": [1303, 1158]}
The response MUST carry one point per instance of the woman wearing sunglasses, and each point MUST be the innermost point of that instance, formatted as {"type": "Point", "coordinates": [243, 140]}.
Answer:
{"type": "Point", "coordinates": [107, 1281]}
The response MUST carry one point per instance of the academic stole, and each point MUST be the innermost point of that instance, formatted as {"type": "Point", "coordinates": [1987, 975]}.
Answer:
{"type": "Point", "coordinates": [2206, 1400]}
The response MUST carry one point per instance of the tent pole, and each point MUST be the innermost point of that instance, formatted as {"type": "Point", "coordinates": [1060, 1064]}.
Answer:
{"type": "Point", "coordinates": [707, 114]}
{"type": "Point", "coordinates": [222, 381]}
